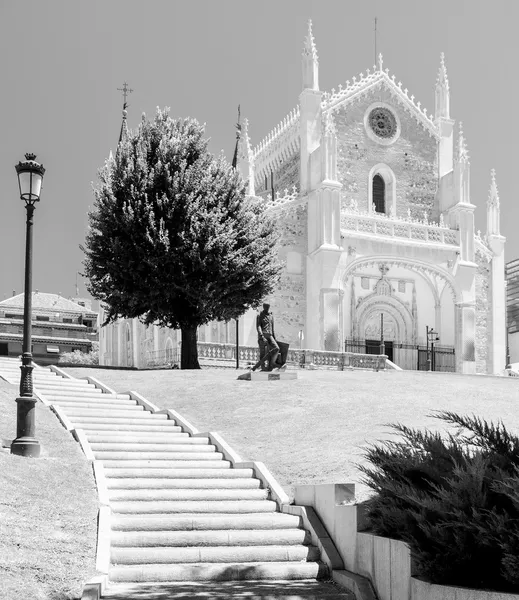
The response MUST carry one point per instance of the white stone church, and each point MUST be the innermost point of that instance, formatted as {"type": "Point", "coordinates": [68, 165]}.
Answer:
{"type": "Point", "coordinates": [373, 197]}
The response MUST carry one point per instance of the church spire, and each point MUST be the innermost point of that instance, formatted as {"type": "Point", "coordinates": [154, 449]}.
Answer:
{"type": "Point", "coordinates": [238, 137]}
{"type": "Point", "coordinates": [124, 126]}
{"type": "Point", "coordinates": [243, 158]}
{"type": "Point", "coordinates": [442, 96]}
{"type": "Point", "coordinates": [310, 61]}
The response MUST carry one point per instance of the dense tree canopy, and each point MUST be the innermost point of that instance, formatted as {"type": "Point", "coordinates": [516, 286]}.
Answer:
{"type": "Point", "coordinates": [172, 238]}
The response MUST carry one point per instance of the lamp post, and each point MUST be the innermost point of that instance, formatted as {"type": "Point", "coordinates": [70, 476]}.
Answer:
{"type": "Point", "coordinates": [30, 178]}
{"type": "Point", "coordinates": [432, 336]}
{"type": "Point", "coordinates": [382, 345]}
{"type": "Point", "coordinates": [237, 344]}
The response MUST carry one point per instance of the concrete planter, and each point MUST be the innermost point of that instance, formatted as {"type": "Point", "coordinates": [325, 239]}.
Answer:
{"type": "Point", "coordinates": [386, 563]}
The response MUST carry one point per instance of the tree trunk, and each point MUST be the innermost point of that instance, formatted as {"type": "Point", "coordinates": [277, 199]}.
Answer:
{"type": "Point", "coordinates": [189, 354]}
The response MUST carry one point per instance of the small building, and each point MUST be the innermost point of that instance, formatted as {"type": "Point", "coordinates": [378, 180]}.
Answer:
{"type": "Point", "coordinates": [58, 325]}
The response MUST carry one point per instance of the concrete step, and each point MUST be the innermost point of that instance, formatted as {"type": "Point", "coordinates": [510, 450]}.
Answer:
{"type": "Point", "coordinates": [183, 494]}
{"type": "Point", "coordinates": [62, 383]}
{"type": "Point", "coordinates": [306, 589]}
{"type": "Point", "coordinates": [195, 455]}
{"type": "Point", "coordinates": [181, 444]}
{"type": "Point", "coordinates": [145, 437]}
{"type": "Point", "coordinates": [212, 554]}
{"type": "Point", "coordinates": [208, 462]}
{"type": "Point", "coordinates": [95, 411]}
{"type": "Point", "coordinates": [159, 427]}
{"type": "Point", "coordinates": [165, 507]}
{"type": "Point", "coordinates": [235, 537]}
{"type": "Point", "coordinates": [212, 483]}
{"type": "Point", "coordinates": [219, 571]}
{"type": "Point", "coordinates": [203, 522]}
{"type": "Point", "coordinates": [36, 379]}
{"type": "Point", "coordinates": [91, 392]}
{"type": "Point", "coordinates": [97, 398]}
{"type": "Point", "coordinates": [178, 475]}
{"type": "Point", "coordinates": [142, 418]}
{"type": "Point", "coordinates": [90, 403]}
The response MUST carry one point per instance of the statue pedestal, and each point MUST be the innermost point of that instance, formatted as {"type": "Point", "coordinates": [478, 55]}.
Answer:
{"type": "Point", "coordinates": [268, 375]}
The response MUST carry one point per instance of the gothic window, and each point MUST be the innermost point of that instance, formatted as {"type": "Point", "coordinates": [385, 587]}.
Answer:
{"type": "Point", "coordinates": [379, 194]}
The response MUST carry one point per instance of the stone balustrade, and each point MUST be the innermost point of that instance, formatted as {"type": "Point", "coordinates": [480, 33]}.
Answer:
{"type": "Point", "coordinates": [225, 355]}
{"type": "Point", "coordinates": [395, 227]}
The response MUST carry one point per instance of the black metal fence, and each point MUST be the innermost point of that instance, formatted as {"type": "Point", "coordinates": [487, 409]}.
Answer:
{"type": "Point", "coordinates": [411, 357]}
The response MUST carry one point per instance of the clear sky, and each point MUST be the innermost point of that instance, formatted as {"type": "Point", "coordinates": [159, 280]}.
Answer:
{"type": "Point", "coordinates": [61, 62]}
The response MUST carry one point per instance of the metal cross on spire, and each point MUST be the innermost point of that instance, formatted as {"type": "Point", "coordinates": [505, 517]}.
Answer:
{"type": "Point", "coordinates": [125, 90]}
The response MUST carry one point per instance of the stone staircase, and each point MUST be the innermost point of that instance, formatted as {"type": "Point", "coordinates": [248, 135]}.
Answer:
{"type": "Point", "coordinates": [179, 511]}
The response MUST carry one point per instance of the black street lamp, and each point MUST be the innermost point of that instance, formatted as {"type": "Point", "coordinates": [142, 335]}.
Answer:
{"type": "Point", "coordinates": [30, 178]}
{"type": "Point", "coordinates": [382, 345]}
{"type": "Point", "coordinates": [432, 336]}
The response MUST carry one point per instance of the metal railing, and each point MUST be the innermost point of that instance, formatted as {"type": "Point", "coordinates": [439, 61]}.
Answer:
{"type": "Point", "coordinates": [412, 357]}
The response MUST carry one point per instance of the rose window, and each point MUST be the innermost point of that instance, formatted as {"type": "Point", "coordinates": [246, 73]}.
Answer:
{"type": "Point", "coordinates": [382, 122]}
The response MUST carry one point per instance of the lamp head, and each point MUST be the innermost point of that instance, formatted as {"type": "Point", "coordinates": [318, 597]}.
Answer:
{"type": "Point", "coordinates": [30, 178]}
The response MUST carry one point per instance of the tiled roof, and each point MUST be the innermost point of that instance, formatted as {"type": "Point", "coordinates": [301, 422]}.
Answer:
{"type": "Point", "coordinates": [42, 301]}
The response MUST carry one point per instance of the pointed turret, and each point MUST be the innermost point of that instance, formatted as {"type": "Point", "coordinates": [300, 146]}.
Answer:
{"type": "Point", "coordinates": [442, 97]}
{"type": "Point", "coordinates": [246, 158]}
{"type": "Point", "coordinates": [493, 208]}
{"type": "Point", "coordinates": [496, 243]}
{"type": "Point", "coordinates": [310, 61]}
{"type": "Point", "coordinates": [462, 152]}
{"type": "Point", "coordinates": [310, 110]}
{"type": "Point", "coordinates": [238, 136]}
{"type": "Point", "coordinates": [124, 125]}
{"type": "Point", "coordinates": [329, 149]}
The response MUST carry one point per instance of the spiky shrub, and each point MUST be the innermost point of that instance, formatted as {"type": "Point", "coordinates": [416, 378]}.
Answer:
{"type": "Point", "coordinates": [173, 240]}
{"type": "Point", "coordinates": [454, 499]}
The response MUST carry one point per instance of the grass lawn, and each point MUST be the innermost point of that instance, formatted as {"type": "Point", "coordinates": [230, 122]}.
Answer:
{"type": "Point", "coordinates": [48, 511]}
{"type": "Point", "coordinates": [313, 430]}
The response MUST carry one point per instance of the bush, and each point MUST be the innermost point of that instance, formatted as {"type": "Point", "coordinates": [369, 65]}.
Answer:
{"type": "Point", "coordinates": [77, 357]}
{"type": "Point", "coordinates": [454, 500]}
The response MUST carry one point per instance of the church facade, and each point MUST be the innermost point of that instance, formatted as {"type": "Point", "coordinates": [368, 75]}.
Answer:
{"type": "Point", "coordinates": [372, 195]}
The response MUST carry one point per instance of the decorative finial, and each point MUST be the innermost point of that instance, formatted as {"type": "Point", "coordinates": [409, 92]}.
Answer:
{"type": "Point", "coordinates": [310, 48]}
{"type": "Point", "coordinates": [380, 62]}
{"type": "Point", "coordinates": [30, 156]}
{"type": "Point", "coordinates": [462, 153]}
{"type": "Point", "coordinates": [493, 194]}
{"type": "Point", "coordinates": [442, 79]}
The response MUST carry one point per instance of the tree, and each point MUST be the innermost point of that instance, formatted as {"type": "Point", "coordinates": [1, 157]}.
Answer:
{"type": "Point", "coordinates": [173, 239]}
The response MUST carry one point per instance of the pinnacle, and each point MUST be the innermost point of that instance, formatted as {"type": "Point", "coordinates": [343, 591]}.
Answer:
{"type": "Point", "coordinates": [442, 79]}
{"type": "Point", "coordinates": [246, 150]}
{"type": "Point", "coordinates": [380, 62]}
{"type": "Point", "coordinates": [462, 152]}
{"type": "Point", "coordinates": [493, 194]}
{"type": "Point", "coordinates": [310, 48]}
